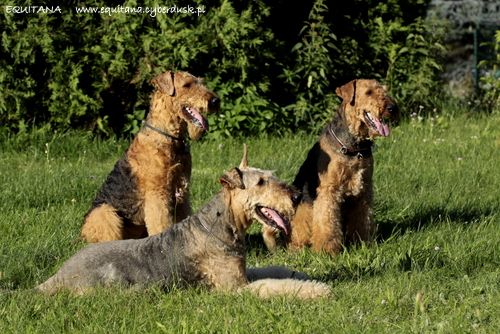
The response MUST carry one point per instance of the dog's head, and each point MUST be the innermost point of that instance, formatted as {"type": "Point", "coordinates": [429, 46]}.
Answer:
{"type": "Point", "coordinates": [188, 98]}
{"type": "Point", "coordinates": [257, 195]}
{"type": "Point", "coordinates": [366, 105]}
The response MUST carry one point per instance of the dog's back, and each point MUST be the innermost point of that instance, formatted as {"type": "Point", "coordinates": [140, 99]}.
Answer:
{"type": "Point", "coordinates": [158, 259]}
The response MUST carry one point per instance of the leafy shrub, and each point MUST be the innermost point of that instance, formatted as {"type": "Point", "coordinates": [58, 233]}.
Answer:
{"type": "Point", "coordinates": [412, 58]}
{"type": "Point", "coordinates": [368, 39]}
{"type": "Point", "coordinates": [69, 70]}
{"type": "Point", "coordinates": [92, 71]}
{"type": "Point", "coordinates": [313, 70]}
{"type": "Point", "coordinates": [491, 82]}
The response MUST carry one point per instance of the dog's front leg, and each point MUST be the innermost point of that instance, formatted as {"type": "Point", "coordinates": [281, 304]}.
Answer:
{"type": "Point", "coordinates": [158, 214]}
{"type": "Point", "coordinates": [228, 274]}
{"type": "Point", "coordinates": [359, 222]}
{"type": "Point", "coordinates": [182, 208]}
{"type": "Point", "coordinates": [301, 227]}
{"type": "Point", "coordinates": [327, 231]}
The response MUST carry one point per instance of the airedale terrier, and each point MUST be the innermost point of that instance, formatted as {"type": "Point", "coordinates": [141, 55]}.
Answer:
{"type": "Point", "coordinates": [148, 189]}
{"type": "Point", "coordinates": [206, 249]}
{"type": "Point", "coordinates": [336, 177]}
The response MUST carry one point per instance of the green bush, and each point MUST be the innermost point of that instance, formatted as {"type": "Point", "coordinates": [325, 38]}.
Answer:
{"type": "Point", "coordinates": [490, 83]}
{"type": "Point", "coordinates": [380, 42]}
{"type": "Point", "coordinates": [70, 70]}
{"type": "Point", "coordinates": [93, 71]}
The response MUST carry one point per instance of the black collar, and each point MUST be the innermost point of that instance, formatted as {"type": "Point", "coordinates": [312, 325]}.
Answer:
{"type": "Point", "coordinates": [163, 133]}
{"type": "Point", "coordinates": [187, 147]}
{"type": "Point", "coordinates": [360, 153]}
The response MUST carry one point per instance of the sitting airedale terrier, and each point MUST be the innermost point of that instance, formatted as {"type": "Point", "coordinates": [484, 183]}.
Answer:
{"type": "Point", "coordinates": [206, 249]}
{"type": "Point", "coordinates": [336, 177]}
{"type": "Point", "coordinates": [148, 189]}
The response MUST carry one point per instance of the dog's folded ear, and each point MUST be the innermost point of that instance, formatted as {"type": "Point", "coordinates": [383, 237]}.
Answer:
{"type": "Point", "coordinates": [232, 179]}
{"type": "Point", "coordinates": [165, 83]}
{"type": "Point", "coordinates": [347, 92]}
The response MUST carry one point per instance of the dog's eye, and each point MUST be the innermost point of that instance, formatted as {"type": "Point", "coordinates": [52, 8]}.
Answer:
{"type": "Point", "coordinates": [187, 85]}
{"type": "Point", "coordinates": [369, 92]}
{"type": "Point", "coordinates": [261, 182]}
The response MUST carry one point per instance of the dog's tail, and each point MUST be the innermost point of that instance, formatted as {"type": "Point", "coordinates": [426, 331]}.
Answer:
{"type": "Point", "coordinates": [308, 290]}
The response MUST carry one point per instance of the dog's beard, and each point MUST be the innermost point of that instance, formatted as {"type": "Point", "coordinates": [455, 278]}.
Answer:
{"type": "Point", "coordinates": [195, 132]}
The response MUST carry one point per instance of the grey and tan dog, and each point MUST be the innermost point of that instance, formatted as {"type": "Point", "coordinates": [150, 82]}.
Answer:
{"type": "Point", "coordinates": [206, 249]}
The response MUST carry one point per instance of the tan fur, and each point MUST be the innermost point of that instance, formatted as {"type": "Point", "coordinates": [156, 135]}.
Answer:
{"type": "Point", "coordinates": [111, 231]}
{"type": "Point", "coordinates": [342, 179]}
{"type": "Point", "coordinates": [290, 288]}
{"type": "Point", "coordinates": [160, 166]}
{"type": "Point", "coordinates": [343, 206]}
{"type": "Point", "coordinates": [301, 227]}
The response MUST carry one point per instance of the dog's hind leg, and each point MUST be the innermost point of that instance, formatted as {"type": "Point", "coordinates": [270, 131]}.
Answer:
{"type": "Point", "coordinates": [103, 224]}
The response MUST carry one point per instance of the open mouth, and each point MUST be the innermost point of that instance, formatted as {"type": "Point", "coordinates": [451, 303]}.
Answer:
{"type": "Point", "coordinates": [377, 124]}
{"type": "Point", "coordinates": [273, 219]}
{"type": "Point", "coordinates": [195, 117]}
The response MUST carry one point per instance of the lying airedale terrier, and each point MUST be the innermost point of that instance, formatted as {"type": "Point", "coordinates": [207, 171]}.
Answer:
{"type": "Point", "coordinates": [336, 177]}
{"type": "Point", "coordinates": [148, 189]}
{"type": "Point", "coordinates": [206, 249]}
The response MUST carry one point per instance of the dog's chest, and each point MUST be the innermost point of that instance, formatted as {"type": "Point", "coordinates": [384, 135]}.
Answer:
{"type": "Point", "coordinates": [350, 179]}
{"type": "Point", "coordinates": [356, 183]}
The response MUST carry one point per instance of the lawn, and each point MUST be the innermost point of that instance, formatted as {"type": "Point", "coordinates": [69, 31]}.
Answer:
{"type": "Point", "coordinates": [435, 266]}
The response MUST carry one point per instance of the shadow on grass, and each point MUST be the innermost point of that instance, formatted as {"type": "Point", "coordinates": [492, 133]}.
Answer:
{"type": "Point", "coordinates": [430, 216]}
{"type": "Point", "coordinates": [255, 242]}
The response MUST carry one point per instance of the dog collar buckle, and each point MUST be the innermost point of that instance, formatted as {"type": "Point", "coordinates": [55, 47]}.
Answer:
{"type": "Point", "coordinates": [343, 150]}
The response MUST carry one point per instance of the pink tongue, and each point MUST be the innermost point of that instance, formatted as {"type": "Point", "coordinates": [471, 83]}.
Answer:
{"type": "Point", "coordinates": [203, 121]}
{"type": "Point", "coordinates": [277, 218]}
{"type": "Point", "coordinates": [382, 128]}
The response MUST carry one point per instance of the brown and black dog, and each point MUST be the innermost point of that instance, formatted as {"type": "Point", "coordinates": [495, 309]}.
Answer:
{"type": "Point", "coordinates": [336, 177]}
{"type": "Point", "coordinates": [148, 189]}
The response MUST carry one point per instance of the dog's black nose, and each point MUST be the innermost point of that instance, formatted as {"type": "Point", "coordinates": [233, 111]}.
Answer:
{"type": "Point", "coordinates": [296, 198]}
{"type": "Point", "coordinates": [215, 103]}
{"type": "Point", "coordinates": [392, 108]}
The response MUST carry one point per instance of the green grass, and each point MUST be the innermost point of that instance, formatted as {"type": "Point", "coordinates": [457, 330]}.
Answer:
{"type": "Point", "coordinates": [435, 267]}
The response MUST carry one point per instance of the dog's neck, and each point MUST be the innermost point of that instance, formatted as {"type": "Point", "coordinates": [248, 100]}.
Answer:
{"type": "Point", "coordinates": [347, 143]}
{"type": "Point", "coordinates": [163, 133]}
{"type": "Point", "coordinates": [217, 219]}
{"type": "Point", "coordinates": [166, 129]}
{"type": "Point", "coordinates": [161, 117]}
